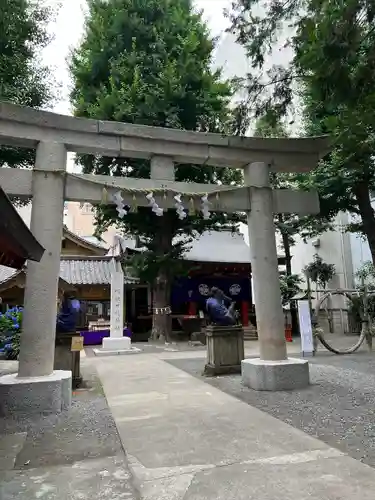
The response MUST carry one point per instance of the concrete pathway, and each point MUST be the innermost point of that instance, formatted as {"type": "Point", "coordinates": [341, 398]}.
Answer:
{"type": "Point", "coordinates": [186, 440]}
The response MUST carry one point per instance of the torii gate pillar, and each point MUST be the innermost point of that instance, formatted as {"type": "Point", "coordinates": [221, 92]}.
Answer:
{"type": "Point", "coordinates": [273, 371]}
{"type": "Point", "coordinates": [38, 388]}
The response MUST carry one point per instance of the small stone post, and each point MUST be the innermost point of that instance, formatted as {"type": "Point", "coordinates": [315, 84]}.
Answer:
{"type": "Point", "coordinates": [273, 371]}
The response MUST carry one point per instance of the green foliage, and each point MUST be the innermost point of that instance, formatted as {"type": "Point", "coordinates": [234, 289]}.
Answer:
{"type": "Point", "coordinates": [148, 62]}
{"type": "Point", "coordinates": [365, 287]}
{"type": "Point", "coordinates": [333, 73]}
{"type": "Point", "coordinates": [23, 78]}
{"type": "Point", "coordinates": [288, 225]}
{"type": "Point", "coordinates": [289, 286]}
{"type": "Point", "coordinates": [10, 331]}
{"type": "Point", "coordinates": [366, 273]}
{"type": "Point", "coordinates": [320, 272]}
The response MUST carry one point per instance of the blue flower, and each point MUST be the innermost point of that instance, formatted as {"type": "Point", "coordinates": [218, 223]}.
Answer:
{"type": "Point", "coordinates": [8, 347]}
{"type": "Point", "coordinates": [16, 325]}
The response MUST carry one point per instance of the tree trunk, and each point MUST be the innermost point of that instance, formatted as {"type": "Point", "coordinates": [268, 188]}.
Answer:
{"type": "Point", "coordinates": [161, 290]}
{"type": "Point", "coordinates": [161, 320]}
{"type": "Point", "coordinates": [288, 266]}
{"type": "Point", "coordinates": [366, 211]}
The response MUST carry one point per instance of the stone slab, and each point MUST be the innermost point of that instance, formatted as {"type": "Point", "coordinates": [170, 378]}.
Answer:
{"type": "Point", "coordinates": [212, 370]}
{"type": "Point", "coordinates": [10, 446]}
{"type": "Point", "coordinates": [104, 478]}
{"type": "Point", "coordinates": [321, 479]}
{"type": "Point", "coordinates": [117, 352]}
{"type": "Point", "coordinates": [282, 375]}
{"type": "Point", "coordinates": [184, 421]}
{"type": "Point", "coordinates": [35, 395]}
{"type": "Point", "coordinates": [116, 343]}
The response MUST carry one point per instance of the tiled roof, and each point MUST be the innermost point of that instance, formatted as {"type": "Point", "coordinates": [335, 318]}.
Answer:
{"type": "Point", "coordinates": [6, 273]}
{"type": "Point", "coordinates": [93, 240]}
{"type": "Point", "coordinates": [75, 271]}
{"type": "Point", "coordinates": [219, 246]}
{"type": "Point", "coordinates": [89, 271]}
{"type": "Point", "coordinates": [87, 241]}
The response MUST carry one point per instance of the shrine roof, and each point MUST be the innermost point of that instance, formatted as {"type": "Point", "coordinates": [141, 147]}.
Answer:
{"type": "Point", "coordinates": [17, 242]}
{"type": "Point", "coordinates": [78, 271]}
{"type": "Point", "coordinates": [89, 242]}
{"type": "Point", "coordinates": [220, 247]}
{"type": "Point", "coordinates": [7, 273]}
{"type": "Point", "coordinates": [89, 271]}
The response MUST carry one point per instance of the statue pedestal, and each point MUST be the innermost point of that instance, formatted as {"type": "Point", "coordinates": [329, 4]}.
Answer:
{"type": "Point", "coordinates": [225, 350]}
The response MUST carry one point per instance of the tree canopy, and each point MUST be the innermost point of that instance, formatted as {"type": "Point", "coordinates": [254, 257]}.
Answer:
{"type": "Point", "coordinates": [23, 78]}
{"type": "Point", "coordinates": [149, 62]}
{"type": "Point", "coordinates": [332, 73]}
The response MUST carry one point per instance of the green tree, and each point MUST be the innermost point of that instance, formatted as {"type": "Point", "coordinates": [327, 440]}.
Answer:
{"type": "Point", "coordinates": [333, 71]}
{"type": "Point", "coordinates": [24, 79]}
{"type": "Point", "coordinates": [149, 62]}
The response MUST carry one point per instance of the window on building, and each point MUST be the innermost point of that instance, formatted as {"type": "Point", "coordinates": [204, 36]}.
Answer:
{"type": "Point", "coordinates": [86, 208]}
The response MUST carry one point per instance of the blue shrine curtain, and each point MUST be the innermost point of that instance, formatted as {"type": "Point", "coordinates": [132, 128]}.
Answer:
{"type": "Point", "coordinates": [197, 289]}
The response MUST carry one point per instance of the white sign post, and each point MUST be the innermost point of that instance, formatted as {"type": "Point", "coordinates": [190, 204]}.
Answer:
{"type": "Point", "coordinates": [116, 341]}
{"type": "Point", "coordinates": [117, 303]}
{"type": "Point", "coordinates": [307, 342]}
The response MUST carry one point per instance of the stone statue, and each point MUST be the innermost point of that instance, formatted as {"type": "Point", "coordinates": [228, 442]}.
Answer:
{"type": "Point", "coordinates": [67, 317]}
{"type": "Point", "coordinates": [220, 308]}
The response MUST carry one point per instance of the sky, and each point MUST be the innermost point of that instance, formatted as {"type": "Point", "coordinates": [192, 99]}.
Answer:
{"type": "Point", "coordinates": [67, 31]}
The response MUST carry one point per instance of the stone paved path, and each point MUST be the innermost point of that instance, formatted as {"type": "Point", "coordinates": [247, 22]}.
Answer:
{"type": "Point", "coordinates": [187, 440]}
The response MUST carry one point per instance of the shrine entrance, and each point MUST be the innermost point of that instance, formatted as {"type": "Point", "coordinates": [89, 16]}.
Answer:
{"type": "Point", "coordinates": [50, 185]}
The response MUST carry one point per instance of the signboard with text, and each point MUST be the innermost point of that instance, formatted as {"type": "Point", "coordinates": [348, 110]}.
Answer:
{"type": "Point", "coordinates": [77, 344]}
{"type": "Point", "coordinates": [307, 343]}
{"type": "Point", "coordinates": [117, 303]}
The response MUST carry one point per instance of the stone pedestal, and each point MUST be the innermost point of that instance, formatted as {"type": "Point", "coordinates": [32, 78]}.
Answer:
{"type": "Point", "coordinates": [225, 350]}
{"type": "Point", "coordinates": [113, 346]}
{"type": "Point", "coordinates": [35, 395]}
{"type": "Point", "coordinates": [282, 375]}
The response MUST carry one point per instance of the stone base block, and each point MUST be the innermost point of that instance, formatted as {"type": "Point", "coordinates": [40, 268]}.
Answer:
{"type": "Point", "coordinates": [116, 343]}
{"type": "Point", "coordinates": [283, 375]}
{"type": "Point", "coordinates": [225, 350]}
{"type": "Point", "coordinates": [213, 371]}
{"type": "Point", "coordinates": [118, 352]}
{"type": "Point", "coordinates": [35, 395]}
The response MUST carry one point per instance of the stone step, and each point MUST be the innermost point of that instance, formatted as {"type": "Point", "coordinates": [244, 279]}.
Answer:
{"type": "Point", "coordinates": [250, 333]}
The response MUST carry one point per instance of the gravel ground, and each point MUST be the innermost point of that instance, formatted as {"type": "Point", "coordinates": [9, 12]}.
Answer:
{"type": "Point", "coordinates": [338, 407]}
{"type": "Point", "coordinates": [76, 454]}
{"type": "Point", "coordinates": [86, 431]}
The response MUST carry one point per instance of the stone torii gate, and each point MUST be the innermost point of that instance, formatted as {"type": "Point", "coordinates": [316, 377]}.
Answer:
{"type": "Point", "coordinates": [37, 387]}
